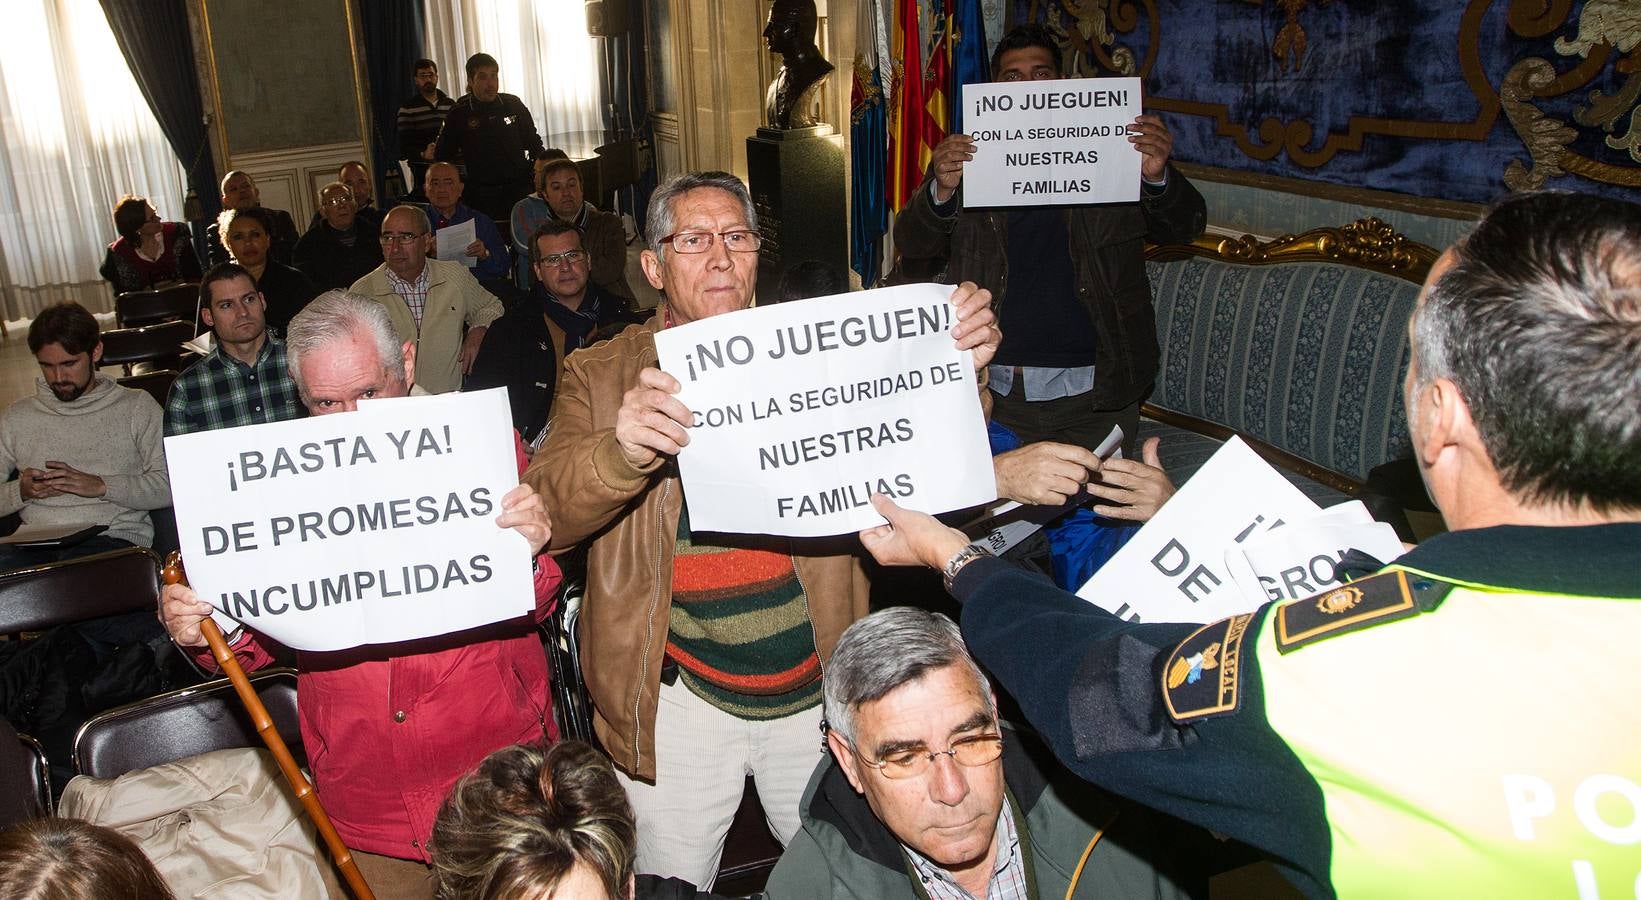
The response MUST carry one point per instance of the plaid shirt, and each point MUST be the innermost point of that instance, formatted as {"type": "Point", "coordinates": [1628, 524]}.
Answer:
{"type": "Point", "coordinates": [1008, 876]}
{"type": "Point", "coordinates": [414, 293]}
{"type": "Point", "coordinates": [222, 392]}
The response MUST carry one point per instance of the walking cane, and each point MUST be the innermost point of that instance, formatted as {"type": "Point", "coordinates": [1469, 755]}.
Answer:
{"type": "Point", "coordinates": [173, 574]}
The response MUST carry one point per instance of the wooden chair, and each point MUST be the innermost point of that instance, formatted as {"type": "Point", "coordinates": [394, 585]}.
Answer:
{"type": "Point", "coordinates": [25, 789]}
{"type": "Point", "coordinates": [185, 723]}
{"type": "Point", "coordinates": [62, 593]}
{"type": "Point", "coordinates": [157, 346]}
{"type": "Point", "coordinates": [157, 383]}
{"type": "Point", "coordinates": [177, 303]}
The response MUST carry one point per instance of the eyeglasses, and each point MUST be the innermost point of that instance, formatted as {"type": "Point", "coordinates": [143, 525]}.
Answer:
{"type": "Point", "coordinates": [554, 260]}
{"type": "Point", "coordinates": [336, 201]}
{"type": "Point", "coordinates": [979, 750]}
{"type": "Point", "coordinates": [400, 238]}
{"type": "Point", "coordinates": [742, 241]}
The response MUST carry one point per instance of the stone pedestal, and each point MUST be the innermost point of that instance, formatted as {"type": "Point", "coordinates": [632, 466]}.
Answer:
{"type": "Point", "coordinates": [796, 179]}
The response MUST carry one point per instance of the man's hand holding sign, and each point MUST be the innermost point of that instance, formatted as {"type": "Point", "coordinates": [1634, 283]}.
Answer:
{"type": "Point", "coordinates": [383, 538]}
{"type": "Point", "coordinates": [375, 527]}
{"type": "Point", "coordinates": [788, 418]}
{"type": "Point", "coordinates": [1040, 138]}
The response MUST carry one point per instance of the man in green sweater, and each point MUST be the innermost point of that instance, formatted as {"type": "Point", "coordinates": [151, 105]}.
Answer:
{"type": "Point", "coordinates": [86, 450]}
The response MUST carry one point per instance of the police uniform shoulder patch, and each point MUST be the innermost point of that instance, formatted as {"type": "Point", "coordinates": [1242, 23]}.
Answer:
{"type": "Point", "coordinates": [1369, 601]}
{"type": "Point", "coordinates": [1202, 678]}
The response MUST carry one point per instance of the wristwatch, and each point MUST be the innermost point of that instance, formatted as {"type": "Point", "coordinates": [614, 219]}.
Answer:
{"type": "Point", "coordinates": [961, 558]}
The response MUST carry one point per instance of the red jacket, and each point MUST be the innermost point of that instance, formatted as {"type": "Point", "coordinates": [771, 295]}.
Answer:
{"type": "Point", "coordinates": [389, 729]}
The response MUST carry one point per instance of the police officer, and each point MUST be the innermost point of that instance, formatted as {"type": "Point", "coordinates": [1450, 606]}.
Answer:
{"type": "Point", "coordinates": [1462, 723]}
{"type": "Point", "coordinates": [494, 137]}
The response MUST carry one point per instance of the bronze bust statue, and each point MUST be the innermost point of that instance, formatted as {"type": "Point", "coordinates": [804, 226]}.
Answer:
{"type": "Point", "coordinates": [790, 102]}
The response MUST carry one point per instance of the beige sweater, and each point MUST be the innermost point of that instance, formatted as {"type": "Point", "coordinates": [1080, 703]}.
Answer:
{"type": "Point", "coordinates": [111, 431]}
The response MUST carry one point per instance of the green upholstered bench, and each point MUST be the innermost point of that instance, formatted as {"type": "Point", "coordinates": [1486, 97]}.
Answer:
{"type": "Point", "coordinates": [1299, 345]}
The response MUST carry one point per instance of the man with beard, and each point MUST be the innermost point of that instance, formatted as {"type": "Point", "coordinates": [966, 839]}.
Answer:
{"type": "Point", "coordinates": [87, 451]}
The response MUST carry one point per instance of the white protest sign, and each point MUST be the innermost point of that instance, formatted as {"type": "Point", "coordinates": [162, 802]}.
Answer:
{"type": "Point", "coordinates": [367, 527]}
{"type": "Point", "coordinates": [1302, 558]}
{"type": "Point", "coordinates": [1040, 143]}
{"type": "Point", "coordinates": [803, 410]}
{"type": "Point", "coordinates": [1173, 569]}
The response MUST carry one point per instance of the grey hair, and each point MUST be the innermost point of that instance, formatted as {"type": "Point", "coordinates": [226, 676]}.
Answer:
{"type": "Point", "coordinates": [662, 219]}
{"type": "Point", "coordinates": [334, 184]}
{"type": "Point", "coordinates": [885, 650]}
{"type": "Point", "coordinates": [336, 315]}
{"type": "Point", "coordinates": [423, 223]}
{"type": "Point", "coordinates": [1538, 325]}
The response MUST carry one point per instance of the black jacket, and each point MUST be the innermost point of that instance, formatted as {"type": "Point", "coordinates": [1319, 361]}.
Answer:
{"type": "Point", "coordinates": [331, 264]}
{"type": "Point", "coordinates": [524, 352]}
{"type": "Point", "coordinates": [286, 290]}
{"type": "Point", "coordinates": [1107, 254]}
{"type": "Point", "coordinates": [494, 140]}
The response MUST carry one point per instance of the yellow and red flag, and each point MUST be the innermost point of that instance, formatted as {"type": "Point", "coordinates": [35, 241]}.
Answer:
{"type": "Point", "coordinates": [906, 160]}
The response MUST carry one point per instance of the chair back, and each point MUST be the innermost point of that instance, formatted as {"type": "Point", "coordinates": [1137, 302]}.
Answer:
{"type": "Point", "coordinates": [25, 788]}
{"type": "Point", "coordinates": [157, 383]}
{"type": "Point", "coordinates": [61, 593]}
{"type": "Point", "coordinates": [177, 303]}
{"type": "Point", "coordinates": [572, 706]}
{"type": "Point", "coordinates": [185, 723]}
{"type": "Point", "coordinates": [160, 343]}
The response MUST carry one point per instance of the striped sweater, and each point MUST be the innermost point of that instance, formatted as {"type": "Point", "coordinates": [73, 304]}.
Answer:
{"type": "Point", "coordinates": [740, 631]}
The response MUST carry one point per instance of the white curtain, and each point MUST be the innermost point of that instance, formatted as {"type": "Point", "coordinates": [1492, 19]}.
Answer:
{"type": "Point", "coordinates": [541, 46]}
{"type": "Point", "coordinates": [75, 135]}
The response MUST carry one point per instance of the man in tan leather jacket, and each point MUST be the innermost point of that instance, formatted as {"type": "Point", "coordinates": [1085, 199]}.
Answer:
{"type": "Point", "coordinates": [703, 660]}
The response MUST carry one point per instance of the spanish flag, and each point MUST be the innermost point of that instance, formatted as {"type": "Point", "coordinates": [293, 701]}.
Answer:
{"type": "Point", "coordinates": [907, 158]}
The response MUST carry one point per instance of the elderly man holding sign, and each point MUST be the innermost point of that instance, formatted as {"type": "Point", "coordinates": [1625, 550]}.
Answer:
{"type": "Point", "coordinates": [390, 727]}
{"type": "Point", "coordinates": [702, 653]}
{"type": "Point", "coordinates": [1080, 346]}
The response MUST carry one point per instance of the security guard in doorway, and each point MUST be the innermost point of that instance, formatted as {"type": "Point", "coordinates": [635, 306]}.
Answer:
{"type": "Point", "coordinates": [1462, 723]}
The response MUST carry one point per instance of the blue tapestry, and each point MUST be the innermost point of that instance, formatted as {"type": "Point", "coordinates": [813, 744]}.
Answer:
{"type": "Point", "coordinates": [1452, 100]}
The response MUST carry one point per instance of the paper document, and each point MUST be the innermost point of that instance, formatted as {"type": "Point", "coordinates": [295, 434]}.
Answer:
{"type": "Point", "coordinates": [452, 242]}
{"type": "Point", "coordinates": [803, 410]}
{"type": "Point", "coordinates": [1236, 536]}
{"type": "Point", "coordinates": [369, 527]}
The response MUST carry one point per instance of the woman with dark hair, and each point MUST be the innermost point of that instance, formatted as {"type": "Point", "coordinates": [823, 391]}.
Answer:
{"type": "Point", "coordinates": [67, 859]}
{"type": "Point", "coordinates": [148, 252]}
{"type": "Point", "coordinates": [532, 823]}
